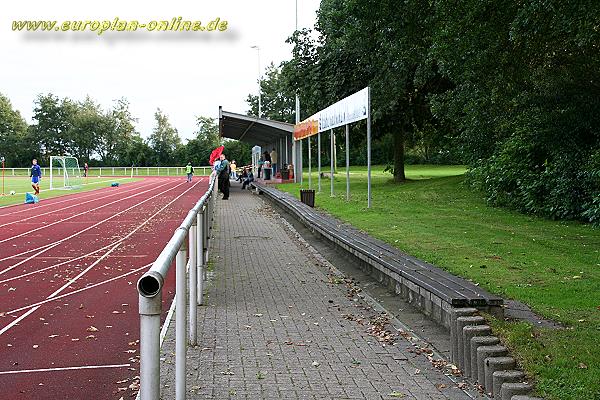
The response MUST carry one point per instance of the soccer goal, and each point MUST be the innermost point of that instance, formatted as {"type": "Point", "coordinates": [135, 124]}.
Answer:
{"type": "Point", "coordinates": [64, 172]}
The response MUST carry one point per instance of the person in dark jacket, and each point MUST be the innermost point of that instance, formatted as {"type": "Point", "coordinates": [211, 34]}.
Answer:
{"type": "Point", "coordinates": [223, 172]}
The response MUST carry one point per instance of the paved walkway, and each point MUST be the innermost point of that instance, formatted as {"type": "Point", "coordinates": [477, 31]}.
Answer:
{"type": "Point", "coordinates": [277, 324]}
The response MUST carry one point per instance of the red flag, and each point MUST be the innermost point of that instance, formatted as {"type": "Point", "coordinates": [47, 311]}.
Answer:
{"type": "Point", "coordinates": [216, 153]}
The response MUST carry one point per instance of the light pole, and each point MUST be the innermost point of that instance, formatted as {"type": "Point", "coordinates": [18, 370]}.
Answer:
{"type": "Point", "coordinates": [259, 82]}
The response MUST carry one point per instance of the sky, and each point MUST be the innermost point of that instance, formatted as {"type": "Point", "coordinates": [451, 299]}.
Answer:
{"type": "Point", "coordinates": [186, 74]}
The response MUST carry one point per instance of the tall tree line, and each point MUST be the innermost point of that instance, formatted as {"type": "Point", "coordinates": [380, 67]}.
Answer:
{"type": "Point", "coordinates": [104, 137]}
{"type": "Point", "coordinates": [510, 88]}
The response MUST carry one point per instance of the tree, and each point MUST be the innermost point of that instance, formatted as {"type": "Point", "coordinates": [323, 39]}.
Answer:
{"type": "Point", "coordinates": [88, 128]}
{"type": "Point", "coordinates": [53, 121]}
{"type": "Point", "coordinates": [120, 136]}
{"type": "Point", "coordinates": [277, 100]}
{"type": "Point", "coordinates": [14, 142]}
{"type": "Point", "coordinates": [164, 139]}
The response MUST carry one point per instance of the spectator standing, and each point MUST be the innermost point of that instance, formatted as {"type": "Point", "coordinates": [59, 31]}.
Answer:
{"type": "Point", "coordinates": [261, 162]}
{"type": "Point", "coordinates": [233, 167]}
{"type": "Point", "coordinates": [274, 161]}
{"type": "Point", "coordinates": [223, 172]}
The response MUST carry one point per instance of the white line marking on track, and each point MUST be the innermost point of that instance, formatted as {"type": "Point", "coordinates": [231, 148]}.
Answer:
{"type": "Point", "coordinates": [65, 208]}
{"type": "Point", "coordinates": [73, 216]}
{"type": "Point", "coordinates": [97, 250]}
{"type": "Point", "coordinates": [67, 197]}
{"type": "Point", "coordinates": [62, 296]}
{"type": "Point", "coordinates": [49, 246]}
{"type": "Point", "coordinates": [54, 296]}
{"type": "Point", "coordinates": [27, 371]}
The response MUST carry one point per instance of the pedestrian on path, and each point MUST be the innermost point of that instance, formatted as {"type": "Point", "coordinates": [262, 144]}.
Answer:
{"type": "Point", "coordinates": [189, 170]}
{"type": "Point", "coordinates": [274, 161]}
{"type": "Point", "coordinates": [223, 172]}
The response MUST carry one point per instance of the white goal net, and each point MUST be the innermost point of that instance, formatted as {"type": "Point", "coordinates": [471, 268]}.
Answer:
{"type": "Point", "coordinates": [64, 172]}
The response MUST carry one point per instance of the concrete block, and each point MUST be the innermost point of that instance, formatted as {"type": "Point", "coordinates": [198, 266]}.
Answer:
{"type": "Point", "coordinates": [501, 377]}
{"type": "Point", "coordinates": [493, 364]}
{"type": "Point", "coordinates": [509, 390]}
{"type": "Point", "coordinates": [461, 322]}
{"type": "Point", "coordinates": [484, 352]}
{"type": "Point", "coordinates": [454, 314]}
{"type": "Point", "coordinates": [470, 332]}
{"type": "Point", "coordinates": [476, 342]}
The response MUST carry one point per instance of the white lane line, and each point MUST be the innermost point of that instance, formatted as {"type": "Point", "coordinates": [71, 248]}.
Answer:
{"type": "Point", "coordinates": [54, 296]}
{"type": "Point", "coordinates": [66, 285]}
{"type": "Point", "coordinates": [73, 216]}
{"type": "Point", "coordinates": [68, 261]}
{"type": "Point", "coordinates": [42, 249]}
{"type": "Point", "coordinates": [49, 202]}
{"type": "Point", "coordinates": [67, 207]}
{"type": "Point", "coordinates": [62, 296]}
{"type": "Point", "coordinates": [103, 248]}
{"type": "Point", "coordinates": [27, 371]}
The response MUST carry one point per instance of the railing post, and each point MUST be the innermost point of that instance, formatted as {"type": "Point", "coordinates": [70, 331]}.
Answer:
{"type": "Point", "coordinates": [193, 285]}
{"type": "Point", "coordinates": [200, 255]}
{"type": "Point", "coordinates": [150, 309]}
{"type": "Point", "coordinates": [180, 323]}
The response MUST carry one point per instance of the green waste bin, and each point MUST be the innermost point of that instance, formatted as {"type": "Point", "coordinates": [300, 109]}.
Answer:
{"type": "Point", "coordinates": [307, 196]}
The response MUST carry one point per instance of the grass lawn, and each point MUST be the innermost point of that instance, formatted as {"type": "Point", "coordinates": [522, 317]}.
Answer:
{"type": "Point", "coordinates": [554, 267]}
{"type": "Point", "coordinates": [22, 184]}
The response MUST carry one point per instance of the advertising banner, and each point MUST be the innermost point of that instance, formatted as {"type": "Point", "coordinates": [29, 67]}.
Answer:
{"type": "Point", "coordinates": [346, 111]}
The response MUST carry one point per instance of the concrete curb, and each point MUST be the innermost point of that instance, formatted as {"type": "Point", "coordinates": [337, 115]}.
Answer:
{"type": "Point", "coordinates": [525, 397]}
{"type": "Point", "coordinates": [469, 332]}
{"type": "Point", "coordinates": [461, 322]}
{"type": "Point", "coordinates": [501, 377]}
{"type": "Point", "coordinates": [485, 352]}
{"type": "Point", "coordinates": [509, 390]}
{"type": "Point", "coordinates": [493, 364]}
{"type": "Point", "coordinates": [454, 314]}
{"type": "Point", "coordinates": [477, 342]}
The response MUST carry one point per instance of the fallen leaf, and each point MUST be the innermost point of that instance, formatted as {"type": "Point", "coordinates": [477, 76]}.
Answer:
{"type": "Point", "coordinates": [92, 329]}
{"type": "Point", "coordinates": [397, 394]}
{"type": "Point", "coordinates": [123, 381]}
{"type": "Point", "coordinates": [35, 346]}
{"type": "Point", "coordinates": [315, 364]}
{"type": "Point", "coordinates": [53, 336]}
{"type": "Point", "coordinates": [258, 315]}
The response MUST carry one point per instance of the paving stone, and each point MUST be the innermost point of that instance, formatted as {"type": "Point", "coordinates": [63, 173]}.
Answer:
{"type": "Point", "coordinates": [272, 325]}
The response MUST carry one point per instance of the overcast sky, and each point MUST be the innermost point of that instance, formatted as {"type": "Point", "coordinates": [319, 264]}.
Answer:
{"type": "Point", "coordinates": [185, 74]}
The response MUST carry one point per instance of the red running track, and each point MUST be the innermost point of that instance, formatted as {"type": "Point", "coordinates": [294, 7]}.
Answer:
{"type": "Point", "coordinates": [69, 326]}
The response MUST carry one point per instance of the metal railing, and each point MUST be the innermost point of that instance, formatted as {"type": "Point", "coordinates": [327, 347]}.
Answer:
{"type": "Point", "coordinates": [193, 234]}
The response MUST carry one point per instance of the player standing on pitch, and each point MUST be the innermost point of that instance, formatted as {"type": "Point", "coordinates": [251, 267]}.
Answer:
{"type": "Point", "coordinates": [36, 176]}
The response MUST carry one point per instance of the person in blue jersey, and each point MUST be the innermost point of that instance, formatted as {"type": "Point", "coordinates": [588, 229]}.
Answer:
{"type": "Point", "coordinates": [36, 176]}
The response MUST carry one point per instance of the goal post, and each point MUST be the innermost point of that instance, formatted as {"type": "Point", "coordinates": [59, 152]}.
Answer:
{"type": "Point", "coordinates": [64, 173]}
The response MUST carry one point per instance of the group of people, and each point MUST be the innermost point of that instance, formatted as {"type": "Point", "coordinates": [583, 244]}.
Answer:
{"type": "Point", "coordinates": [226, 170]}
{"type": "Point", "coordinates": [267, 160]}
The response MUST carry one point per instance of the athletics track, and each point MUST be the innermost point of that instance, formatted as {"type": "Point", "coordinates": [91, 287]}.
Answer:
{"type": "Point", "coordinates": [69, 324]}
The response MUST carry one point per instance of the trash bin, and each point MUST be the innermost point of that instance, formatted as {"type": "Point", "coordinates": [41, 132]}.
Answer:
{"type": "Point", "coordinates": [307, 196]}
{"type": "Point", "coordinates": [285, 174]}
{"type": "Point", "coordinates": [267, 173]}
